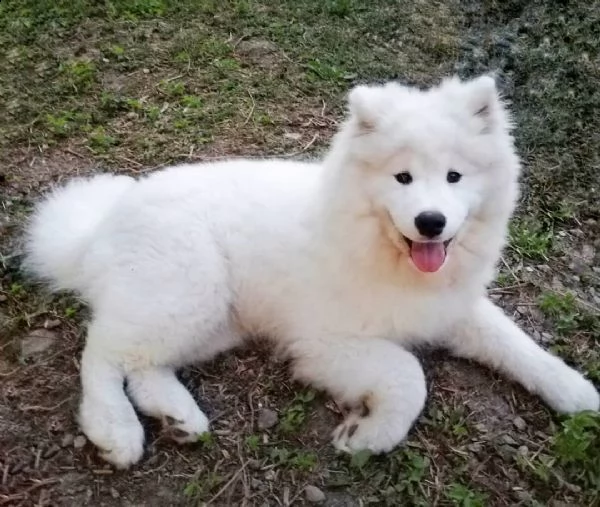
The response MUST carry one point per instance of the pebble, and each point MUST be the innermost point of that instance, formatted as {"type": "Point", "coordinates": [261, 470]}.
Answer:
{"type": "Point", "coordinates": [51, 451]}
{"type": "Point", "coordinates": [254, 464]}
{"type": "Point", "coordinates": [519, 423]}
{"type": "Point", "coordinates": [314, 494]}
{"type": "Point", "coordinates": [67, 440]}
{"type": "Point", "coordinates": [51, 323]}
{"type": "Point", "coordinates": [508, 440]}
{"type": "Point", "coordinates": [267, 419]}
{"type": "Point", "coordinates": [37, 342]}
{"type": "Point", "coordinates": [79, 441]}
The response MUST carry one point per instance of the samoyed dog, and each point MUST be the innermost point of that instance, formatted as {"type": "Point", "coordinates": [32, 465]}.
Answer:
{"type": "Point", "coordinates": [345, 264]}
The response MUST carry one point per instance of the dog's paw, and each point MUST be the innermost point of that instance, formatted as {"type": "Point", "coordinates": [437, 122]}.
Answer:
{"type": "Point", "coordinates": [568, 391]}
{"type": "Point", "coordinates": [125, 447]}
{"type": "Point", "coordinates": [373, 433]}
{"type": "Point", "coordinates": [186, 430]}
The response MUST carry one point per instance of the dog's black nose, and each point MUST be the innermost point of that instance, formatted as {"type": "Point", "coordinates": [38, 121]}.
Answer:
{"type": "Point", "coordinates": [430, 223]}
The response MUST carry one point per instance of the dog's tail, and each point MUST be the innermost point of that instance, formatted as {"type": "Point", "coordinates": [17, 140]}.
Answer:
{"type": "Point", "coordinates": [62, 226]}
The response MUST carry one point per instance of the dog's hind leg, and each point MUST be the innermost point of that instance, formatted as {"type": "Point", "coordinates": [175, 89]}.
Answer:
{"type": "Point", "coordinates": [105, 413]}
{"type": "Point", "coordinates": [158, 393]}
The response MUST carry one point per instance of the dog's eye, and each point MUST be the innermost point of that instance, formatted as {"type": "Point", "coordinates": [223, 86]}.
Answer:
{"type": "Point", "coordinates": [404, 177]}
{"type": "Point", "coordinates": [453, 177]}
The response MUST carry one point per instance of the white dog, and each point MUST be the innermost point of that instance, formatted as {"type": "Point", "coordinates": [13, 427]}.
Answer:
{"type": "Point", "coordinates": [388, 243]}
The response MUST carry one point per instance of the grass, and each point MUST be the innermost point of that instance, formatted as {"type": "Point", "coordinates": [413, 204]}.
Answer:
{"type": "Point", "coordinates": [128, 85]}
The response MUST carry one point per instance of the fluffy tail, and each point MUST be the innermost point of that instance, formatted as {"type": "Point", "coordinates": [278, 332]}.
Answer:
{"type": "Point", "coordinates": [62, 225]}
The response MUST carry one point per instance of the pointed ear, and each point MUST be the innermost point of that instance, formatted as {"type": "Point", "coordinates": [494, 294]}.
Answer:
{"type": "Point", "coordinates": [483, 100]}
{"type": "Point", "coordinates": [363, 106]}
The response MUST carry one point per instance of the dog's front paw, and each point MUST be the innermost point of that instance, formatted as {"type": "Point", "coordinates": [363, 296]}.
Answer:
{"type": "Point", "coordinates": [187, 429]}
{"type": "Point", "coordinates": [378, 434]}
{"type": "Point", "coordinates": [568, 391]}
{"type": "Point", "coordinates": [124, 448]}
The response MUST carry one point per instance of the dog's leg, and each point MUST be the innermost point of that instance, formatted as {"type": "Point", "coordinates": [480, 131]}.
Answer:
{"type": "Point", "coordinates": [158, 393]}
{"type": "Point", "coordinates": [106, 415]}
{"type": "Point", "coordinates": [490, 337]}
{"type": "Point", "coordinates": [383, 383]}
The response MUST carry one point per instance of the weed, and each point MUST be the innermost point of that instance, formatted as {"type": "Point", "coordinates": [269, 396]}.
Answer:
{"type": "Point", "coordinates": [360, 459]}
{"type": "Point", "coordinates": [79, 73]}
{"type": "Point", "coordinates": [462, 496]}
{"type": "Point", "coordinates": [253, 442]}
{"type": "Point", "coordinates": [304, 461]}
{"type": "Point", "coordinates": [294, 416]}
{"type": "Point", "coordinates": [562, 309]}
{"type": "Point", "coordinates": [173, 89]}
{"type": "Point", "coordinates": [70, 312]}
{"type": "Point", "coordinates": [202, 485]}
{"type": "Point", "coordinates": [17, 290]}
{"type": "Point", "coordinates": [530, 240]}
{"type": "Point", "coordinates": [100, 141]}
{"type": "Point", "coordinates": [324, 71]}
{"type": "Point", "coordinates": [576, 446]}
{"type": "Point", "coordinates": [191, 101]}
{"type": "Point", "coordinates": [65, 123]}
{"type": "Point", "coordinates": [207, 440]}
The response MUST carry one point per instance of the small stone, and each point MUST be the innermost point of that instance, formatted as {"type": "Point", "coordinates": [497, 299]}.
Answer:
{"type": "Point", "coordinates": [267, 419]}
{"type": "Point", "coordinates": [314, 494]}
{"type": "Point", "coordinates": [523, 450]}
{"type": "Point", "coordinates": [508, 440]}
{"type": "Point", "coordinates": [51, 323]}
{"type": "Point", "coordinates": [474, 447]}
{"type": "Point", "coordinates": [257, 484]}
{"type": "Point", "coordinates": [146, 71]}
{"type": "Point", "coordinates": [524, 496]}
{"type": "Point", "coordinates": [51, 451]}
{"type": "Point", "coordinates": [114, 493]}
{"type": "Point", "coordinates": [270, 475]}
{"type": "Point", "coordinates": [79, 441]}
{"type": "Point", "coordinates": [3, 298]}
{"type": "Point", "coordinates": [254, 464]}
{"type": "Point", "coordinates": [37, 342]}
{"type": "Point", "coordinates": [482, 428]}
{"type": "Point", "coordinates": [67, 440]}
{"type": "Point", "coordinates": [520, 423]}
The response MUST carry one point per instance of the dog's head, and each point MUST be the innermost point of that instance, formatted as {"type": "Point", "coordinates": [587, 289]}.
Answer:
{"type": "Point", "coordinates": [433, 162]}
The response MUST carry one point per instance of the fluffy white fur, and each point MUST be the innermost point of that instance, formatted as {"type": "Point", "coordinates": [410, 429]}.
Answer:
{"type": "Point", "coordinates": [186, 262]}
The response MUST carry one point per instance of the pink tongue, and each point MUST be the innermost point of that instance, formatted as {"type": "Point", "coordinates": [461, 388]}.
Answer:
{"type": "Point", "coordinates": [428, 257]}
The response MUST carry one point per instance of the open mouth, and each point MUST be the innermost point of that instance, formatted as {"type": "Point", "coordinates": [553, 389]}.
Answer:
{"type": "Point", "coordinates": [429, 256]}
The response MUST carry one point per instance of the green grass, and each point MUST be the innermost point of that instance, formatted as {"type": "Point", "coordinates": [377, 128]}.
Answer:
{"type": "Point", "coordinates": [530, 240]}
{"type": "Point", "coordinates": [294, 416]}
{"type": "Point", "coordinates": [576, 446]}
{"type": "Point", "coordinates": [462, 496]}
{"type": "Point", "coordinates": [563, 310]}
{"type": "Point", "coordinates": [184, 77]}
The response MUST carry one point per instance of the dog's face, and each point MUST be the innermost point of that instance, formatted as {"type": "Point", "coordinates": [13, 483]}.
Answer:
{"type": "Point", "coordinates": [430, 160]}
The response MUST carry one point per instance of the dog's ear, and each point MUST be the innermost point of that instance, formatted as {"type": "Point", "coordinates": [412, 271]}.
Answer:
{"type": "Point", "coordinates": [363, 106]}
{"type": "Point", "coordinates": [483, 100]}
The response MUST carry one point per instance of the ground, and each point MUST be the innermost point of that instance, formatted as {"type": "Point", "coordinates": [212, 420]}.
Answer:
{"type": "Point", "coordinates": [132, 85]}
